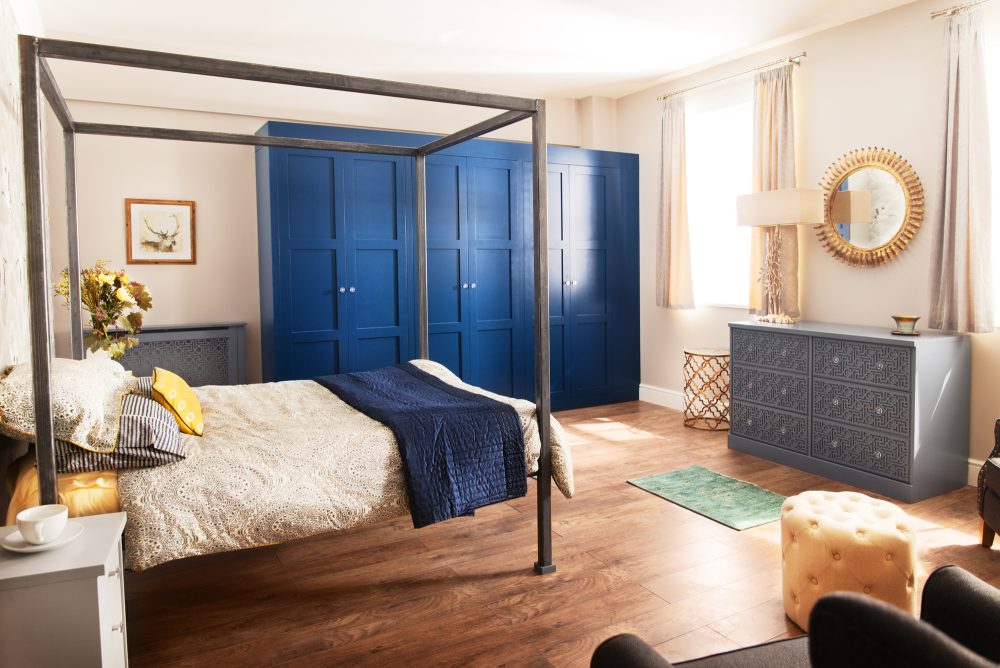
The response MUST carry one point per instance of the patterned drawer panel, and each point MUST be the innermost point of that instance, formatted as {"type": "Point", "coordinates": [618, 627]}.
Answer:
{"type": "Point", "coordinates": [781, 390]}
{"type": "Point", "coordinates": [881, 454]}
{"type": "Point", "coordinates": [785, 430]}
{"type": "Point", "coordinates": [773, 349]}
{"type": "Point", "coordinates": [867, 406]}
{"type": "Point", "coordinates": [877, 364]}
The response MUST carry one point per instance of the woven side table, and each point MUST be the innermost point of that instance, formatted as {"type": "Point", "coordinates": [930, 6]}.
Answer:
{"type": "Point", "coordinates": [706, 389]}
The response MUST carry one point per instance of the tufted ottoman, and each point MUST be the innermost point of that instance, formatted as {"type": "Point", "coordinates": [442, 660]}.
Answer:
{"type": "Point", "coordinates": [845, 541]}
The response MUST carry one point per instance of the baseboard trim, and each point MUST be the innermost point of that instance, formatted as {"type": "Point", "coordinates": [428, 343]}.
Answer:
{"type": "Point", "coordinates": [661, 396]}
{"type": "Point", "coordinates": [974, 466]}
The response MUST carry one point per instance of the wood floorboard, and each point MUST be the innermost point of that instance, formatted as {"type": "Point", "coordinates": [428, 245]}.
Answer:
{"type": "Point", "coordinates": [462, 593]}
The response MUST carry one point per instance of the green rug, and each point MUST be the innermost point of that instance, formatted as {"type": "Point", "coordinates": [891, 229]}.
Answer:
{"type": "Point", "coordinates": [726, 500]}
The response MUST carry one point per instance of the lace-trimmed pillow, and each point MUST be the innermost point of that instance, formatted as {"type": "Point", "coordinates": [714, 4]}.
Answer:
{"type": "Point", "coordinates": [86, 402]}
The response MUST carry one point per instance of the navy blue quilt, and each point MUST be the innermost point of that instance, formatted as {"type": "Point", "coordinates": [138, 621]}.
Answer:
{"type": "Point", "coordinates": [460, 450]}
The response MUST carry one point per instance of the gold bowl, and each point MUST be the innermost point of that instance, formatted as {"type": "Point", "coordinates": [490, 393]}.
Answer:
{"type": "Point", "coordinates": [906, 324]}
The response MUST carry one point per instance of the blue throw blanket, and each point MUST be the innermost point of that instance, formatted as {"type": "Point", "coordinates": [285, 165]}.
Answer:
{"type": "Point", "coordinates": [460, 450]}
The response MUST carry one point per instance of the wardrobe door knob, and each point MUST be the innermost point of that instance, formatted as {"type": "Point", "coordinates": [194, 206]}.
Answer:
{"type": "Point", "coordinates": [352, 289]}
{"type": "Point", "coordinates": [473, 286]}
{"type": "Point", "coordinates": [573, 282]}
{"type": "Point", "coordinates": [342, 290]}
{"type": "Point", "coordinates": [465, 286]}
{"type": "Point", "coordinates": [566, 283]}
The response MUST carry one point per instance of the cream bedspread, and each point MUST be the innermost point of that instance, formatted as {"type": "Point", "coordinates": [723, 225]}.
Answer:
{"type": "Point", "coordinates": [280, 461]}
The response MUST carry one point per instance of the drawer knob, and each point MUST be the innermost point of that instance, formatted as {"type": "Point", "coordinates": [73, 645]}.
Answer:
{"type": "Point", "coordinates": [749, 422]}
{"type": "Point", "coordinates": [784, 391]}
{"type": "Point", "coordinates": [836, 402]}
{"type": "Point", "coordinates": [750, 348]}
{"type": "Point", "coordinates": [836, 360]}
{"type": "Point", "coordinates": [878, 410]}
{"type": "Point", "coordinates": [783, 430]}
{"type": "Point", "coordinates": [880, 366]}
{"type": "Point", "coordinates": [784, 352]}
{"type": "Point", "coordinates": [750, 385]}
{"type": "Point", "coordinates": [835, 443]}
{"type": "Point", "coordinates": [878, 455]}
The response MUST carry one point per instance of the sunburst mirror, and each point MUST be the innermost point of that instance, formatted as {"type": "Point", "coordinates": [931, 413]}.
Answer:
{"type": "Point", "coordinates": [873, 204]}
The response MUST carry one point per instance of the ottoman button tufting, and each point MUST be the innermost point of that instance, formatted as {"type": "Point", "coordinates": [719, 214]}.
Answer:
{"type": "Point", "coordinates": [867, 589]}
{"type": "Point", "coordinates": [836, 556]}
{"type": "Point", "coordinates": [888, 557]}
{"type": "Point", "coordinates": [814, 581]}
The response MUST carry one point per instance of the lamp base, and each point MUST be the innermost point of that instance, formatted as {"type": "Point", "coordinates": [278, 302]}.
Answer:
{"type": "Point", "coordinates": [777, 318]}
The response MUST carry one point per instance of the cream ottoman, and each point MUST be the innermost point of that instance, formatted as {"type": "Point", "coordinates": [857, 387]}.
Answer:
{"type": "Point", "coordinates": [845, 541]}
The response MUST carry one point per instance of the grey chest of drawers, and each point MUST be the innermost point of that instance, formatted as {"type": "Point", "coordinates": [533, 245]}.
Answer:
{"type": "Point", "coordinates": [855, 404]}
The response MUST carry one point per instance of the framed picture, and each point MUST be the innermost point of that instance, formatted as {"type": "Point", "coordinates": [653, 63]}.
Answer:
{"type": "Point", "coordinates": [159, 231]}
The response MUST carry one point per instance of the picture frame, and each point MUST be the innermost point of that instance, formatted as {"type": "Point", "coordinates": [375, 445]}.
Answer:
{"type": "Point", "coordinates": [160, 231]}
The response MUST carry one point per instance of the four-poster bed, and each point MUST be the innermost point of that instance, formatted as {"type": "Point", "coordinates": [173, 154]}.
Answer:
{"type": "Point", "coordinates": [37, 80]}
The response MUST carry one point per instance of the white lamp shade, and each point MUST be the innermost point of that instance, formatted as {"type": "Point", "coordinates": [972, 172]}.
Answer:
{"type": "Point", "coordinates": [789, 206]}
{"type": "Point", "coordinates": [851, 206]}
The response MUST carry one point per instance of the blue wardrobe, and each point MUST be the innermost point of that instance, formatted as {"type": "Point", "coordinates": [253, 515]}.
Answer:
{"type": "Point", "coordinates": [337, 263]}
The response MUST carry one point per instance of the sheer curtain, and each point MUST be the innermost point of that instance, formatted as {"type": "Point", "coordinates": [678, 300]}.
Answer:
{"type": "Point", "coordinates": [961, 280]}
{"type": "Point", "coordinates": [673, 253]}
{"type": "Point", "coordinates": [774, 168]}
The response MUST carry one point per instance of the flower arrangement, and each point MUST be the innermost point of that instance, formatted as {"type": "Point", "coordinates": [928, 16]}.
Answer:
{"type": "Point", "coordinates": [112, 299]}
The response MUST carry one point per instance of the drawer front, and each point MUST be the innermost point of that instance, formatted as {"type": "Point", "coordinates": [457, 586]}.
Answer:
{"type": "Point", "coordinates": [111, 590]}
{"type": "Point", "coordinates": [772, 349]}
{"type": "Point", "coordinates": [881, 454]}
{"type": "Point", "coordinates": [865, 406]}
{"type": "Point", "coordinates": [873, 363]}
{"type": "Point", "coordinates": [772, 388]}
{"type": "Point", "coordinates": [785, 430]}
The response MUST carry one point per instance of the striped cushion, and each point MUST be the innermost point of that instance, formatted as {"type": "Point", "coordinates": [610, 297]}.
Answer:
{"type": "Point", "coordinates": [144, 388]}
{"type": "Point", "coordinates": [147, 436]}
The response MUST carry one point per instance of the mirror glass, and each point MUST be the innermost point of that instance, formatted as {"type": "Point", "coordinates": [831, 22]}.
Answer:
{"type": "Point", "coordinates": [868, 207]}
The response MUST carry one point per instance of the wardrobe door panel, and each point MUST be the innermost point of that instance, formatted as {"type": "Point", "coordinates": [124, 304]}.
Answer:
{"type": "Point", "coordinates": [311, 196]}
{"type": "Point", "coordinates": [447, 270]}
{"type": "Point", "coordinates": [559, 275]}
{"type": "Point", "coordinates": [494, 369]}
{"type": "Point", "coordinates": [315, 358]}
{"type": "Point", "coordinates": [314, 302]}
{"type": "Point", "coordinates": [377, 294]}
{"type": "Point", "coordinates": [590, 341]}
{"type": "Point", "coordinates": [491, 202]}
{"type": "Point", "coordinates": [494, 294]}
{"type": "Point", "coordinates": [590, 282]}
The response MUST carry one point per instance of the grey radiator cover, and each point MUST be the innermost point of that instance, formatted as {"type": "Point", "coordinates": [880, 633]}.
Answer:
{"type": "Point", "coordinates": [201, 354]}
{"type": "Point", "coordinates": [855, 404]}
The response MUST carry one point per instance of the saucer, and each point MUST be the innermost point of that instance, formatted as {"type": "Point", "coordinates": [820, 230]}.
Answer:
{"type": "Point", "coordinates": [899, 332]}
{"type": "Point", "coordinates": [16, 543]}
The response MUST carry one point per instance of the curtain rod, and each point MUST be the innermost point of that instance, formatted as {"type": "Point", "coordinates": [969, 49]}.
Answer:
{"type": "Point", "coordinates": [781, 61]}
{"type": "Point", "coordinates": [957, 9]}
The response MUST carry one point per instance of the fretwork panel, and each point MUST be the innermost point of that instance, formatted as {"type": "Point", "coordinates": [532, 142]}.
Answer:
{"type": "Point", "coordinates": [780, 351]}
{"type": "Point", "coordinates": [781, 390]}
{"type": "Point", "coordinates": [888, 366]}
{"type": "Point", "coordinates": [871, 407]}
{"type": "Point", "coordinates": [876, 453]}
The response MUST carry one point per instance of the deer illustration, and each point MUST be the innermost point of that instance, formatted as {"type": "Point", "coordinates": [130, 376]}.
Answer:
{"type": "Point", "coordinates": [162, 241]}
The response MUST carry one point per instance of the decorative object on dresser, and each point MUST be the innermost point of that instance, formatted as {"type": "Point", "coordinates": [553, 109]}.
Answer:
{"type": "Point", "coordinates": [776, 209]}
{"type": "Point", "coordinates": [66, 607]}
{"type": "Point", "coordinates": [906, 325]}
{"type": "Point", "coordinates": [706, 389]}
{"type": "Point", "coordinates": [873, 206]}
{"type": "Point", "coordinates": [203, 354]}
{"type": "Point", "coordinates": [855, 404]}
{"type": "Point", "coordinates": [159, 231]}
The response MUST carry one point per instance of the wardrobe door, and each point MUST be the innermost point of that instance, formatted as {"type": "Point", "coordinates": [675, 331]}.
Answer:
{"type": "Point", "coordinates": [311, 236]}
{"type": "Point", "coordinates": [447, 264]}
{"type": "Point", "coordinates": [595, 210]}
{"type": "Point", "coordinates": [559, 276]}
{"type": "Point", "coordinates": [495, 284]}
{"type": "Point", "coordinates": [377, 290]}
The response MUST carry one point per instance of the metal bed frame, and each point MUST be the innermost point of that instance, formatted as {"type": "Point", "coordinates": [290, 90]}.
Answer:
{"type": "Point", "coordinates": [37, 80]}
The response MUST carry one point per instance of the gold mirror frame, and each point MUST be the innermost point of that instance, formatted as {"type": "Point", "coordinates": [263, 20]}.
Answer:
{"type": "Point", "coordinates": [913, 192]}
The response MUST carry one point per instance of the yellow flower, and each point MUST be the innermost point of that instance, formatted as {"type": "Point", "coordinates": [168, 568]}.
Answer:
{"type": "Point", "coordinates": [105, 278]}
{"type": "Point", "coordinates": [124, 296]}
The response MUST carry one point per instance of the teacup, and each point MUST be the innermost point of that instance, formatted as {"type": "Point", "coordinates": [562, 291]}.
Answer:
{"type": "Point", "coordinates": [42, 524]}
{"type": "Point", "coordinates": [906, 324]}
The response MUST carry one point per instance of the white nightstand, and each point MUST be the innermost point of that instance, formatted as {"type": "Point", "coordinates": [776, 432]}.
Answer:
{"type": "Point", "coordinates": [66, 607]}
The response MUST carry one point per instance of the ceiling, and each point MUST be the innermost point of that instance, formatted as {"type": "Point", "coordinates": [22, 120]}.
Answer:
{"type": "Point", "coordinates": [534, 48]}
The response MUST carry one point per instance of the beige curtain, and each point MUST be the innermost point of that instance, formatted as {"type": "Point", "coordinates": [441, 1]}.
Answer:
{"type": "Point", "coordinates": [673, 250]}
{"type": "Point", "coordinates": [774, 168]}
{"type": "Point", "coordinates": [961, 279]}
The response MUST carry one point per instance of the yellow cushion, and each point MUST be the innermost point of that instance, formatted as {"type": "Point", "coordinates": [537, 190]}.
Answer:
{"type": "Point", "coordinates": [170, 391]}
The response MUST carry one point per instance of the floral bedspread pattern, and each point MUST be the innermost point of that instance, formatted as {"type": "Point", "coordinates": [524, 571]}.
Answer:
{"type": "Point", "coordinates": [281, 461]}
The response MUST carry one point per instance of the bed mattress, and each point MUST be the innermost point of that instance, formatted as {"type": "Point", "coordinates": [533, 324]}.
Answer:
{"type": "Point", "coordinates": [281, 461]}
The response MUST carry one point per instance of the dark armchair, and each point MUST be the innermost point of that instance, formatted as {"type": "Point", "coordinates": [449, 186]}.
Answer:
{"type": "Point", "coordinates": [989, 491]}
{"type": "Point", "coordinates": [957, 627]}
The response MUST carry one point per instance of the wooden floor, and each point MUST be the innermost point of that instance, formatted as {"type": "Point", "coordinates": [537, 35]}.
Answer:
{"type": "Point", "coordinates": [463, 593]}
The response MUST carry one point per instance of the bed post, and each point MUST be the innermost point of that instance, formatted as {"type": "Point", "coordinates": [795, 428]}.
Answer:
{"type": "Point", "coordinates": [539, 182]}
{"type": "Point", "coordinates": [38, 266]}
{"type": "Point", "coordinates": [420, 185]}
{"type": "Point", "coordinates": [73, 237]}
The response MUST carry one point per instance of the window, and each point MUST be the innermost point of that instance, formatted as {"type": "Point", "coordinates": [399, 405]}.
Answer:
{"type": "Point", "coordinates": [719, 150]}
{"type": "Point", "coordinates": [991, 25]}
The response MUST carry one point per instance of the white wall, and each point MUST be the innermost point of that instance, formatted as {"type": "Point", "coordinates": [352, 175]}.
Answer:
{"type": "Point", "coordinates": [223, 285]}
{"type": "Point", "coordinates": [15, 344]}
{"type": "Point", "coordinates": [879, 81]}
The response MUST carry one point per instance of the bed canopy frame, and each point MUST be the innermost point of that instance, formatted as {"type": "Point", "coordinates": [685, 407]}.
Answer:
{"type": "Point", "coordinates": [37, 81]}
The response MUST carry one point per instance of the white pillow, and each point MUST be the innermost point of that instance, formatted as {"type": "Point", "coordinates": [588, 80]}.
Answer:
{"type": "Point", "coordinates": [86, 401]}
